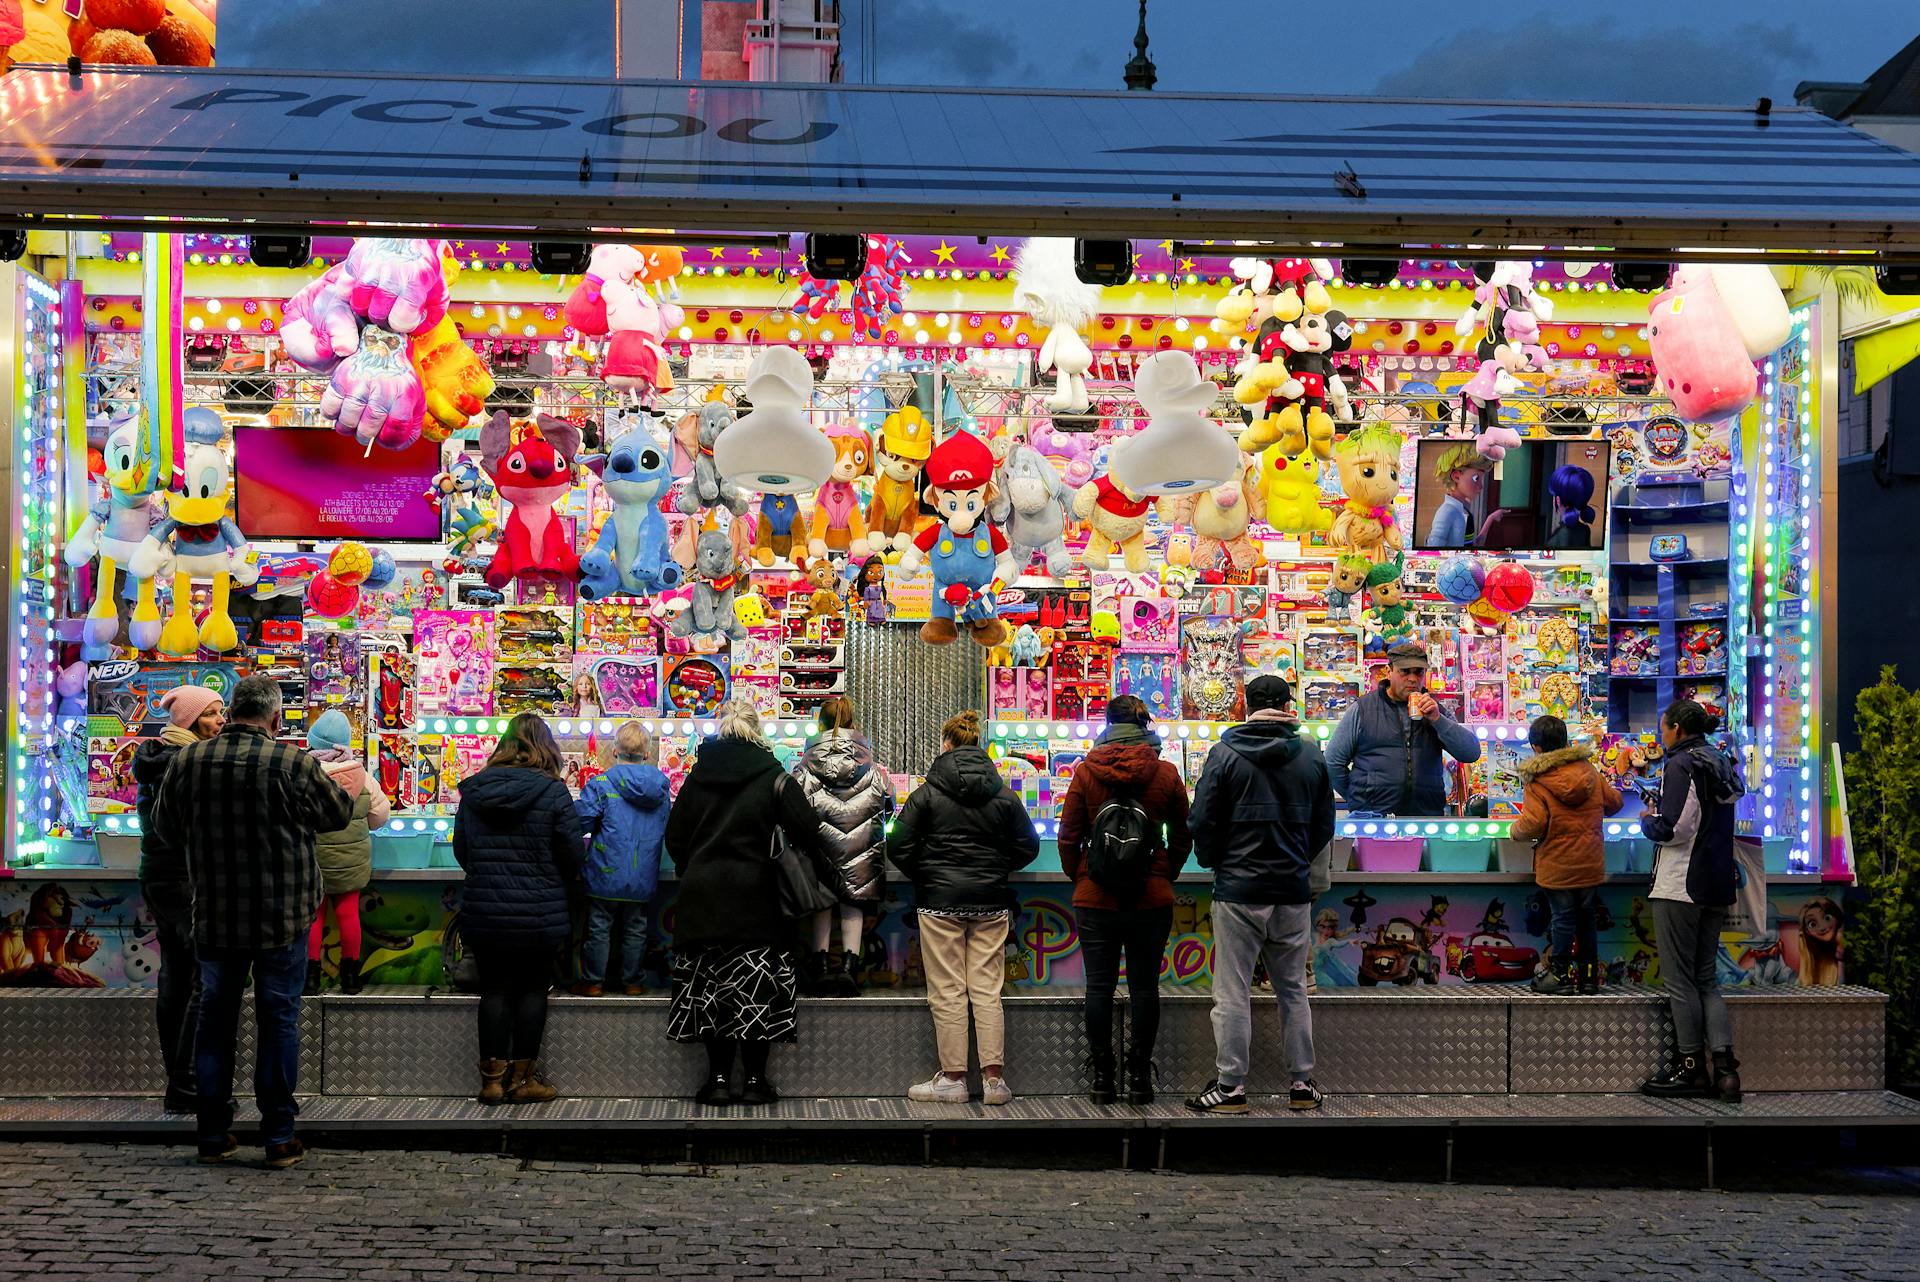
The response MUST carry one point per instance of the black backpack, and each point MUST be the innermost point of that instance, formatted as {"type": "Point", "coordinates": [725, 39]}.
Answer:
{"type": "Point", "coordinates": [1120, 847]}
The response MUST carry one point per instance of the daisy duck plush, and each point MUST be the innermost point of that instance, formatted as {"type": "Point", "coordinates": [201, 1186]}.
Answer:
{"type": "Point", "coordinates": [206, 544]}
{"type": "Point", "coordinates": [967, 552]}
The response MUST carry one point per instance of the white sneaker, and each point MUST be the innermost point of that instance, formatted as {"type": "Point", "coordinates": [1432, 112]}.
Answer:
{"type": "Point", "coordinates": [994, 1090]}
{"type": "Point", "coordinates": [939, 1089]}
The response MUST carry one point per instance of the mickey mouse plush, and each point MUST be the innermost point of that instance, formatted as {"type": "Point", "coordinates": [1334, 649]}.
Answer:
{"type": "Point", "coordinates": [1298, 353]}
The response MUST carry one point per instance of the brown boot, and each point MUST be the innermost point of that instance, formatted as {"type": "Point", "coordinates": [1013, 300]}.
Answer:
{"type": "Point", "coordinates": [988, 632]}
{"type": "Point", "coordinates": [525, 1086]}
{"type": "Point", "coordinates": [492, 1081]}
{"type": "Point", "coordinates": [938, 631]}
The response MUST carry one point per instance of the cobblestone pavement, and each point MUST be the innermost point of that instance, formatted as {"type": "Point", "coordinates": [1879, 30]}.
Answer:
{"type": "Point", "coordinates": [103, 1212]}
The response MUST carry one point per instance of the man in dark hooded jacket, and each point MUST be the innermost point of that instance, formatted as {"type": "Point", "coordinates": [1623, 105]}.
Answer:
{"type": "Point", "coordinates": [1262, 810]}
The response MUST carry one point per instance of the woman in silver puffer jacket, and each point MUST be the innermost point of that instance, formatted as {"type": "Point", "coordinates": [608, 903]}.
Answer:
{"type": "Point", "coordinates": [854, 799]}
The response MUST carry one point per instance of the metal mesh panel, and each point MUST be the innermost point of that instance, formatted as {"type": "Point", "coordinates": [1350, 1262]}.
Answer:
{"type": "Point", "coordinates": [905, 688]}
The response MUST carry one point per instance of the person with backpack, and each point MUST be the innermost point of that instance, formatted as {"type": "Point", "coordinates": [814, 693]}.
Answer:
{"type": "Point", "coordinates": [1262, 810]}
{"type": "Point", "coordinates": [1693, 886]}
{"type": "Point", "coordinates": [1123, 840]}
{"type": "Point", "coordinates": [959, 839]}
{"type": "Point", "coordinates": [623, 812]}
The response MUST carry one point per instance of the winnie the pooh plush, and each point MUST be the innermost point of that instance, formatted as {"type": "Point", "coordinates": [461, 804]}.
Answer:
{"type": "Point", "coordinates": [1118, 521]}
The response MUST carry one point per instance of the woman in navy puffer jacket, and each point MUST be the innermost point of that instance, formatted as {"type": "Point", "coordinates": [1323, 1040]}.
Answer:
{"type": "Point", "coordinates": [518, 837]}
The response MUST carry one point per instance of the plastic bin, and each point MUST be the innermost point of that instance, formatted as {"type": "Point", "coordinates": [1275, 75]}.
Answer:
{"type": "Point", "coordinates": [1387, 854]}
{"type": "Point", "coordinates": [112, 850]}
{"type": "Point", "coordinates": [1456, 854]}
{"type": "Point", "coordinates": [1515, 856]}
{"type": "Point", "coordinates": [1629, 855]}
{"type": "Point", "coordinates": [402, 850]}
{"type": "Point", "coordinates": [443, 853]}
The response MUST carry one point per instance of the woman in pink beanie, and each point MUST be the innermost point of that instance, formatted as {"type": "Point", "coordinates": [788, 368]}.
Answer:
{"type": "Point", "coordinates": [195, 713]}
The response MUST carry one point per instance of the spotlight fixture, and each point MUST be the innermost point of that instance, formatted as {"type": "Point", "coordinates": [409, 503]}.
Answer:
{"type": "Point", "coordinates": [1898, 278]}
{"type": "Point", "coordinates": [13, 246]}
{"type": "Point", "coordinates": [1370, 273]}
{"type": "Point", "coordinates": [1641, 277]}
{"type": "Point", "coordinates": [280, 251]}
{"type": "Point", "coordinates": [559, 257]}
{"type": "Point", "coordinates": [835, 257]}
{"type": "Point", "coordinates": [1103, 262]}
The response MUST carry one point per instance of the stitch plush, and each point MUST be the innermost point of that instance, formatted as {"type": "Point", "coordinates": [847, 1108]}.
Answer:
{"type": "Point", "coordinates": [715, 577]}
{"type": "Point", "coordinates": [631, 556]}
{"type": "Point", "coordinates": [115, 526]}
{"type": "Point", "coordinates": [893, 515]}
{"type": "Point", "coordinates": [1369, 463]}
{"type": "Point", "coordinates": [205, 541]}
{"type": "Point", "coordinates": [839, 527]}
{"type": "Point", "coordinates": [1033, 507]}
{"type": "Point", "coordinates": [532, 475]}
{"type": "Point", "coordinates": [705, 489]}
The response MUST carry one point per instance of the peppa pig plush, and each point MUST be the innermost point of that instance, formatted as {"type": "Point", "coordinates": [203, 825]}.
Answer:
{"type": "Point", "coordinates": [1697, 349]}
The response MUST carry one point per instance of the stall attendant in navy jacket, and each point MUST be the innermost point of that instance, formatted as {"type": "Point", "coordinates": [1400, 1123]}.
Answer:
{"type": "Point", "coordinates": [1384, 756]}
{"type": "Point", "coordinates": [518, 838]}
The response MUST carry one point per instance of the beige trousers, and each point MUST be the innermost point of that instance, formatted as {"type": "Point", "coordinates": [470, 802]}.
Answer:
{"type": "Point", "coordinates": [966, 965]}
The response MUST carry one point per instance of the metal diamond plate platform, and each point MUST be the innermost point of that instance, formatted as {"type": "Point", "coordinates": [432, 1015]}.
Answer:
{"type": "Point", "coordinates": [412, 1044]}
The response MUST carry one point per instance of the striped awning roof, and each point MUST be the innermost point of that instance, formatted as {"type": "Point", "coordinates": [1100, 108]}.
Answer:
{"type": "Point", "coordinates": [559, 156]}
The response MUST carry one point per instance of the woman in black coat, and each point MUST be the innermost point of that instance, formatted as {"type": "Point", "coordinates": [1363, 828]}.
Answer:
{"type": "Point", "coordinates": [518, 837]}
{"type": "Point", "coordinates": [734, 981]}
{"type": "Point", "coordinates": [959, 839]}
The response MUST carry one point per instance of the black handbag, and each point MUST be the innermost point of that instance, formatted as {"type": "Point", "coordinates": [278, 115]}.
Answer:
{"type": "Point", "coordinates": [801, 894]}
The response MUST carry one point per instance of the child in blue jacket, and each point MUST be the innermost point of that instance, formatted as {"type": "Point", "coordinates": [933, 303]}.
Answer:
{"type": "Point", "coordinates": [624, 814]}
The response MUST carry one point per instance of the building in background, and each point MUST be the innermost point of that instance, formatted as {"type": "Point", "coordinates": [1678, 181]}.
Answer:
{"type": "Point", "coordinates": [1885, 104]}
{"type": "Point", "coordinates": [797, 41]}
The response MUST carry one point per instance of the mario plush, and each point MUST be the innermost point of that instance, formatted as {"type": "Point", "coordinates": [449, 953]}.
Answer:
{"type": "Point", "coordinates": [968, 553]}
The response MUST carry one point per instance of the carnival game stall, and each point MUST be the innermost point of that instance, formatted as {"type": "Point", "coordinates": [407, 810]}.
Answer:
{"type": "Point", "coordinates": [433, 481]}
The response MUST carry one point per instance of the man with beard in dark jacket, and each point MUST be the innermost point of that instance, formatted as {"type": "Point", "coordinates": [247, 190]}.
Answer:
{"type": "Point", "coordinates": [1261, 812]}
{"type": "Point", "coordinates": [958, 839]}
{"type": "Point", "coordinates": [1125, 770]}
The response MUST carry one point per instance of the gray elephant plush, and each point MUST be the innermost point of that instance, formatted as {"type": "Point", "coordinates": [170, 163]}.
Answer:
{"type": "Point", "coordinates": [1032, 509]}
{"type": "Point", "coordinates": [704, 490]}
{"type": "Point", "coordinates": [715, 575]}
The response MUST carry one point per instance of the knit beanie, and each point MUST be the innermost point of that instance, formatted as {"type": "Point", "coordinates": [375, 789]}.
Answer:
{"type": "Point", "coordinates": [186, 704]}
{"type": "Point", "coordinates": [330, 730]}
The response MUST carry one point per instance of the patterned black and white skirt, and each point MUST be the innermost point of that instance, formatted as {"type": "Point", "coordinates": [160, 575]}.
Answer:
{"type": "Point", "coordinates": [739, 994]}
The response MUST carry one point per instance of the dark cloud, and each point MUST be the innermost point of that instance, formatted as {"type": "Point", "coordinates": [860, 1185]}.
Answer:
{"type": "Point", "coordinates": [923, 43]}
{"type": "Point", "coordinates": [1551, 61]}
{"type": "Point", "coordinates": [453, 37]}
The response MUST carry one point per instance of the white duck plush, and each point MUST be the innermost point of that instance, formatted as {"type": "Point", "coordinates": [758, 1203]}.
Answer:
{"type": "Point", "coordinates": [1181, 450]}
{"type": "Point", "coordinates": [774, 448]}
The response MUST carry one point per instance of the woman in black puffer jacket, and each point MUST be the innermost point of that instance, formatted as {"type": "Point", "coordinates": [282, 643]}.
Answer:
{"type": "Point", "coordinates": [518, 837]}
{"type": "Point", "coordinates": [959, 838]}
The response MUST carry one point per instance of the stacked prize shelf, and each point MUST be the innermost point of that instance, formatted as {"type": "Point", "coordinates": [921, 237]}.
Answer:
{"type": "Point", "coordinates": [1665, 613]}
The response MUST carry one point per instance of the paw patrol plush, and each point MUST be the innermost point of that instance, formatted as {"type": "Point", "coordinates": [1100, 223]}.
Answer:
{"type": "Point", "coordinates": [839, 528]}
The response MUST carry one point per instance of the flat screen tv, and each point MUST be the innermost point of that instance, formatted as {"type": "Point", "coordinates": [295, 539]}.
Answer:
{"type": "Point", "coordinates": [1543, 496]}
{"type": "Point", "coordinates": [309, 483]}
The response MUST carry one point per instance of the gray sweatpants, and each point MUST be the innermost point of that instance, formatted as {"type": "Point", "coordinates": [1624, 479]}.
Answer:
{"type": "Point", "coordinates": [1242, 933]}
{"type": "Point", "coordinates": [1689, 938]}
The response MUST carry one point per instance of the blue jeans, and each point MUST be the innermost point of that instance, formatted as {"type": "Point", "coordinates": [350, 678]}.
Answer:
{"type": "Point", "coordinates": [601, 914]}
{"type": "Point", "coordinates": [278, 974]}
{"type": "Point", "coordinates": [1573, 933]}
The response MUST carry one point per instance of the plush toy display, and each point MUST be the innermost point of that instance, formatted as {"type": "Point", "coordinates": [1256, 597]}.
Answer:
{"type": "Point", "coordinates": [636, 361]}
{"type": "Point", "coordinates": [375, 395]}
{"type": "Point", "coordinates": [115, 526]}
{"type": "Point", "coordinates": [1290, 490]}
{"type": "Point", "coordinates": [774, 449]}
{"type": "Point", "coordinates": [1699, 352]}
{"type": "Point", "coordinates": [839, 527]}
{"type": "Point", "coordinates": [878, 296]}
{"type": "Point", "coordinates": [1027, 647]}
{"type": "Point", "coordinates": [705, 489]}
{"type": "Point", "coordinates": [967, 552]}
{"type": "Point", "coordinates": [1349, 580]}
{"type": "Point", "coordinates": [631, 556]}
{"type": "Point", "coordinates": [1752, 298]}
{"type": "Point", "coordinates": [826, 599]}
{"type": "Point", "coordinates": [716, 576]}
{"type": "Point", "coordinates": [319, 327]}
{"type": "Point", "coordinates": [1508, 312]}
{"type": "Point", "coordinates": [1220, 518]}
{"type": "Point", "coordinates": [1033, 507]}
{"type": "Point", "coordinates": [456, 381]}
{"type": "Point", "coordinates": [1369, 463]}
{"type": "Point", "coordinates": [778, 536]}
{"type": "Point", "coordinates": [586, 308]}
{"type": "Point", "coordinates": [532, 474]}
{"type": "Point", "coordinates": [1047, 288]}
{"type": "Point", "coordinates": [1386, 598]}
{"type": "Point", "coordinates": [1294, 375]}
{"type": "Point", "coordinates": [397, 284]}
{"type": "Point", "coordinates": [893, 514]}
{"type": "Point", "coordinates": [1181, 449]}
{"type": "Point", "coordinates": [206, 544]}
{"type": "Point", "coordinates": [1282, 289]}
{"type": "Point", "coordinates": [1117, 521]}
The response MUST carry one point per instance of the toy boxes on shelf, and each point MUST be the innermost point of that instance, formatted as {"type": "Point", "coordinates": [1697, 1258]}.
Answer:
{"type": "Point", "coordinates": [1019, 694]}
{"type": "Point", "coordinates": [811, 672]}
{"type": "Point", "coordinates": [454, 662]}
{"type": "Point", "coordinates": [695, 685]}
{"type": "Point", "coordinates": [1703, 648]}
{"type": "Point", "coordinates": [758, 661]}
{"type": "Point", "coordinates": [1082, 679]}
{"type": "Point", "coordinates": [1330, 672]}
{"type": "Point", "coordinates": [1636, 650]}
{"type": "Point", "coordinates": [1483, 676]}
{"type": "Point", "coordinates": [1210, 675]}
{"type": "Point", "coordinates": [617, 685]}
{"type": "Point", "coordinates": [1152, 678]}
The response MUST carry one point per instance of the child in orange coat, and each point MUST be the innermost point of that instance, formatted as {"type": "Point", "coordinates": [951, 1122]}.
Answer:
{"type": "Point", "coordinates": [1567, 799]}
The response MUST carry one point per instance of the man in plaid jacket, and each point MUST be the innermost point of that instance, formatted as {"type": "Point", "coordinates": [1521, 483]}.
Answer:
{"type": "Point", "coordinates": [243, 808]}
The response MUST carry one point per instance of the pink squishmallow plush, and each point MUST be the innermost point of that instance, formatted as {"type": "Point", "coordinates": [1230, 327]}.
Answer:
{"type": "Point", "coordinates": [1698, 350]}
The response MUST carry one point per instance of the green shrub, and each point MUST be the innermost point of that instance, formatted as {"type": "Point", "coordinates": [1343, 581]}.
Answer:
{"type": "Point", "coordinates": [1883, 802]}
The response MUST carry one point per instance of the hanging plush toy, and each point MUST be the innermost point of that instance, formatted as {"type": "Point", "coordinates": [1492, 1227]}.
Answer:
{"type": "Point", "coordinates": [1369, 463]}
{"type": "Point", "coordinates": [878, 296]}
{"type": "Point", "coordinates": [1752, 298]}
{"type": "Point", "coordinates": [893, 514]}
{"type": "Point", "coordinates": [1699, 353]}
{"type": "Point", "coordinates": [1181, 449]}
{"type": "Point", "coordinates": [1290, 489]}
{"type": "Point", "coordinates": [774, 449]}
{"type": "Point", "coordinates": [375, 394]}
{"type": "Point", "coordinates": [631, 557]}
{"type": "Point", "coordinates": [716, 576]}
{"type": "Point", "coordinates": [1221, 518]}
{"type": "Point", "coordinates": [532, 474]}
{"type": "Point", "coordinates": [319, 327]}
{"type": "Point", "coordinates": [1067, 451]}
{"type": "Point", "coordinates": [1117, 520]}
{"type": "Point", "coordinates": [463, 498]}
{"type": "Point", "coordinates": [1294, 372]}
{"type": "Point", "coordinates": [397, 284]}
{"type": "Point", "coordinates": [968, 553]}
{"type": "Point", "coordinates": [1282, 289]}
{"type": "Point", "coordinates": [1386, 596]}
{"type": "Point", "coordinates": [1033, 508]}
{"type": "Point", "coordinates": [456, 381]}
{"type": "Point", "coordinates": [1349, 580]}
{"type": "Point", "coordinates": [1508, 311]}
{"type": "Point", "coordinates": [206, 544]}
{"type": "Point", "coordinates": [839, 527]}
{"type": "Point", "coordinates": [115, 526]}
{"type": "Point", "coordinates": [636, 362]}
{"type": "Point", "coordinates": [1047, 288]}
{"type": "Point", "coordinates": [704, 489]}
{"type": "Point", "coordinates": [586, 308]}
